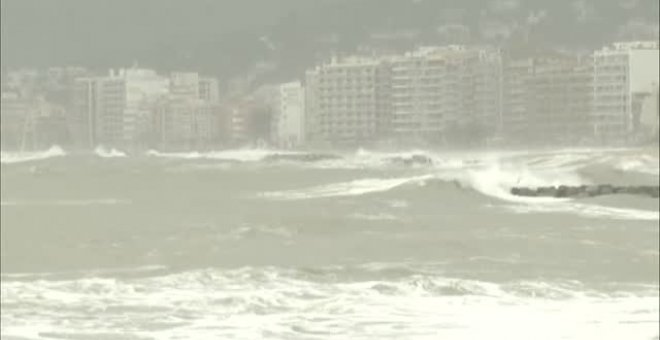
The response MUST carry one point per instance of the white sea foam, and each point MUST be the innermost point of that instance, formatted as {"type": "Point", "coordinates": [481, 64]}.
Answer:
{"type": "Point", "coordinates": [587, 210]}
{"type": "Point", "coordinates": [493, 180]}
{"type": "Point", "coordinates": [271, 303]}
{"type": "Point", "coordinates": [7, 157]}
{"type": "Point", "coordinates": [352, 188]}
{"type": "Point", "coordinates": [496, 180]}
{"type": "Point", "coordinates": [103, 152]}
{"type": "Point", "coordinates": [240, 155]}
{"type": "Point", "coordinates": [645, 164]}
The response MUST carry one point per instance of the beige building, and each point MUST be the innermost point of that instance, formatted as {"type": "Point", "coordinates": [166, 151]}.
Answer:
{"type": "Point", "coordinates": [188, 124]}
{"type": "Point", "coordinates": [114, 110]}
{"type": "Point", "coordinates": [347, 102]}
{"type": "Point", "coordinates": [547, 101]}
{"type": "Point", "coordinates": [439, 93]}
{"type": "Point", "coordinates": [288, 121]}
{"type": "Point", "coordinates": [624, 73]}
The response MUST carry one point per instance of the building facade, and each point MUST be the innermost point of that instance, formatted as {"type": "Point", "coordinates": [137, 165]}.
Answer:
{"type": "Point", "coordinates": [623, 73]}
{"type": "Point", "coordinates": [547, 101]}
{"type": "Point", "coordinates": [115, 110]}
{"type": "Point", "coordinates": [289, 115]}
{"type": "Point", "coordinates": [185, 124]}
{"type": "Point", "coordinates": [347, 102]}
{"type": "Point", "coordinates": [440, 94]}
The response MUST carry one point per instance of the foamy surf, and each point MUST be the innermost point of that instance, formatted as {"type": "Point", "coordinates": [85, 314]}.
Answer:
{"type": "Point", "coordinates": [240, 155]}
{"type": "Point", "coordinates": [7, 157]}
{"type": "Point", "coordinates": [644, 164]}
{"type": "Point", "coordinates": [104, 152]}
{"type": "Point", "coordinates": [587, 210]}
{"type": "Point", "coordinates": [274, 303]}
{"type": "Point", "coordinates": [351, 188]}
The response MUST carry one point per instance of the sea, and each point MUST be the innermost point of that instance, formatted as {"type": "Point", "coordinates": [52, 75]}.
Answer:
{"type": "Point", "coordinates": [239, 244]}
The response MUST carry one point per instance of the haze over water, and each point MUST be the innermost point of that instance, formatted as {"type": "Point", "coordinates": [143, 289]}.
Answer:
{"type": "Point", "coordinates": [244, 245]}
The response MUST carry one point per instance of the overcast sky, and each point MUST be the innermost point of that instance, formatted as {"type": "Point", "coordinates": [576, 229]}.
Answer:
{"type": "Point", "coordinates": [224, 35]}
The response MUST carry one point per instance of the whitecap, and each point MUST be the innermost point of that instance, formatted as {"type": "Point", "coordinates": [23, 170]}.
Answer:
{"type": "Point", "coordinates": [7, 157]}
{"type": "Point", "coordinates": [281, 303]}
{"type": "Point", "coordinates": [351, 188]}
{"type": "Point", "coordinates": [103, 152]}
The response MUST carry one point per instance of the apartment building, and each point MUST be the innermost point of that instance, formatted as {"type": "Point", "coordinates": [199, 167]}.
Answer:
{"type": "Point", "coordinates": [623, 74]}
{"type": "Point", "coordinates": [347, 102]}
{"type": "Point", "coordinates": [209, 89]}
{"type": "Point", "coordinates": [439, 92]}
{"type": "Point", "coordinates": [289, 115]}
{"type": "Point", "coordinates": [188, 124]}
{"type": "Point", "coordinates": [547, 100]}
{"type": "Point", "coordinates": [114, 110]}
{"type": "Point", "coordinates": [98, 113]}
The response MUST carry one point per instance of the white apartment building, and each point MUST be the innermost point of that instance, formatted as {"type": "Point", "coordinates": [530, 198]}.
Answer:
{"type": "Point", "coordinates": [547, 100]}
{"type": "Point", "coordinates": [185, 85]}
{"type": "Point", "coordinates": [143, 89]}
{"type": "Point", "coordinates": [186, 123]}
{"type": "Point", "coordinates": [623, 73]}
{"type": "Point", "coordinates": [438, 88]}
{"type": "Point", "coordinates": [289, 115]}
{"type": "Point", "coordinates": [115, 110]}
{"type": "Point", "coordinates": [649, 115]}
{"type": "Point", "coordinates": [347, 101]}
{"type": "Point", "coordinates": [209, 89]}
{"type": "Point", "coordinates": [99, 111]}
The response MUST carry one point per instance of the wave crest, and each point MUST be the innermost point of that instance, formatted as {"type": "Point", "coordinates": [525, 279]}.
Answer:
{"type": "Point", "coordinates": [7, 157]}
{"type": "Point", "coordinates": [104, 152]}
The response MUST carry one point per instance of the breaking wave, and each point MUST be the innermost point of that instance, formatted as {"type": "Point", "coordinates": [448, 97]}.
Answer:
{"type": "Point", "coordinates": [241, 155]}
{"type": "Point", "coordinates": [103, 152]}
{"type": "Point", "coordinates": [494, 181]}
{"type": "Point", "coordinates": [645, 164]}
{"type": "Point", "coordinates": [352, 188]}
{"type": "Point", "coordinates": [7, 157]}
{"type": "Point", "coordinates": [281, 303]}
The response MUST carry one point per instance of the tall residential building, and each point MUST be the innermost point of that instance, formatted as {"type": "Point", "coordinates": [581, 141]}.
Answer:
{"type": "Point", "coordinates": [514, 122]}
{"type": "Point", "coordinates": [437, 91]}
{"type": "Point", "coordinates": [114, 110]}
{"type": "Point", "coordinates": [547, 100]}
{"type": "Point", "coordinates": [623, 74]}
{"type": "Point", "coordinates": [209, 89]}
{"type": "Point", "coordinates": [289, 115]}
{"type": "Point", "coordinates": [98, 113]}
{"type": "Point", "coordinates": [649, 116]}
{"type": "Point", "coordinates": [144, 88]}
{"type": "Point", "coordinates": [16, 121]}
{"type": "Point", "coordinates": [190, 124]}
{"type": "Point", "coordinates": [347, 102]}
{"type": "Point", "coordinates": [30, 123]}
{"type": "Point", "coordinates": [185, 85]}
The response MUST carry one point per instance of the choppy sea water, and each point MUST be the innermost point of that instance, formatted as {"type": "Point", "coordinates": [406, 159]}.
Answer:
{"type": "Point", "coordinates": [232, 245]}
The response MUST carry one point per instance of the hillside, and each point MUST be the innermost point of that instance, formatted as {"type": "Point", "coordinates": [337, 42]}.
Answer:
{"type": "Point", "coordinates": [230, 37]}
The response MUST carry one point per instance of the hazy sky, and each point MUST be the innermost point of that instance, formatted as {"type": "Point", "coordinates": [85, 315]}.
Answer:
{"type": "Point", "coordinates": [223, 36]}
